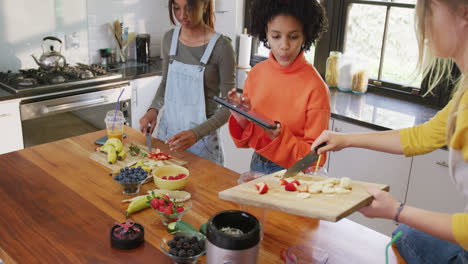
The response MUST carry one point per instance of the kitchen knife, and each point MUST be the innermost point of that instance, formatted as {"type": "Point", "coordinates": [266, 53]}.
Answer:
{"type": "Point", "coordinates": [148, 139]}
{"type": "Point", "coordinates": [303, 163]}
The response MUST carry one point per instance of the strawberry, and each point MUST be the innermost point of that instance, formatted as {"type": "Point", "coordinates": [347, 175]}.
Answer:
{"type": "Point", "coordinates": [263, 188]}
{"type": "Point", "coordinates": [164, 177]}
{"type": "Point", "coordinates": [258, 185]}
{"type": "Point", "coordinates": [179, 209]}
{"type": "Point", "coordinates": [291, 187]}
{"type": "Point", "coordinates": [168, 210]}
{"type": "Point", "coordinates": [283, 182]}
{"type": "Point", "coordinates": [283, 254]}
{"type": "Point", "coordinates": [154, 203]}
{"type": "Point", "coordinates": [161, 208]}
{"type": "Point", "coordinates": [296, 182]}
{"type": "Point", "coordinates": [166, 197]}
{"type": "Point", "coordinates": [170, 204]}
{"type": "Point", "coordinates": [303, 188]}
{"type": "Point", "coordinates": [171, 178]}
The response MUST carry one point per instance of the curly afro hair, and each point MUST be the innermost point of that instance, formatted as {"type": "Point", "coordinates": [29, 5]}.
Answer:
{"type": "Point", "coordinates": [310, 13]}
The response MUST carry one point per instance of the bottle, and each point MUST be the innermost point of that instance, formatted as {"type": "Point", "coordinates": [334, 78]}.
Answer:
{"type": "Point", "coordinates": [360, 77]}
{"type": "Point", "coordinates": [103, 53]}
{"type": "Point", "coordinates": [331, 73]}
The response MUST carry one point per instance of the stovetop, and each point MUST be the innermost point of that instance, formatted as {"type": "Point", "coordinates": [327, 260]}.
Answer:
{"type": "Point", "coordinates": [33, 79]}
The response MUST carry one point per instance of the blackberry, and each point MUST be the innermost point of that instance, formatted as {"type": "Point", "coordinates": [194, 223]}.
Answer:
{"type": "Point", "coordinates": [182, 253]}
{"type": "Point", "coordinates": [179, 245]}
{"type": "Point", "coordinates": [171, 243]}
{"type": "Point", "coordinates": [187, 245]}
{"type": "Point", "coordinates": [190, 253]}
{"type": "Point", "coordinates": [173, 251]}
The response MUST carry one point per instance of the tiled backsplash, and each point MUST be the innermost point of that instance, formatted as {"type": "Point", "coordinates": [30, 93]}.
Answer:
{"type": "Point", "coordinates": [82, 25]}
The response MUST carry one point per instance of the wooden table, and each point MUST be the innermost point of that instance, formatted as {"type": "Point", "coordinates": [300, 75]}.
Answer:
{"type": "Point", "coordinates": [57, 206]}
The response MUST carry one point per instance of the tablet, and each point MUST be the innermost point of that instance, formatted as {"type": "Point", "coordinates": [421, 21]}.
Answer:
{"type": "Point", "coordinates": [246, 112]}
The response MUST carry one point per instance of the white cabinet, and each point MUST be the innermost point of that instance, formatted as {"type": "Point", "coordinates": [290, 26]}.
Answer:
{"type": "Point", "coordinates": [143, 92]}
{"type": "Point", "coordinates": [10, 121]}
{"type": "Point", "coordinates": [370, 166]}
{"type": "Point", "coordinates": [236, 159]}
{"type": "Point", "coordinates": [431, 187]}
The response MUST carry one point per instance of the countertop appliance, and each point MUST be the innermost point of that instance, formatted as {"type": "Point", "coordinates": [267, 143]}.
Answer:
{"type": "Point", "coordinates": [233, 237]}
{"type": "Point", "coordinates": [73, 101]}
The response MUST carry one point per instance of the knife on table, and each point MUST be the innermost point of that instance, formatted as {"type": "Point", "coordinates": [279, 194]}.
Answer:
{"type": "Point", "coordinates": [303, 163]}
{"type": "Point", "coordinates": [148, 139]}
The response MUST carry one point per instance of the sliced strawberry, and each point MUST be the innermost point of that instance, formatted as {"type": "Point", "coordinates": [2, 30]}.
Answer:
{"type": "Point", "coordinates": [258, 185]}
{"type": "Point", "coordinates": [171, 178]}
{"type": "Point", "coordinates": [164, 177]}
{"type": "Point", "coordinates": [291, 187]}
{"type": "Point", "coordinates": [283, 182]}
{"type": "Point", "coordinates": [296, 182]}
{"type": "Point", "coordinates": [303, 188]}
{"type": "Point", "coordinates": [263, 188]}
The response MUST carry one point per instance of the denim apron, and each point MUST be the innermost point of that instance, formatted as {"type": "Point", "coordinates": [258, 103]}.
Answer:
{"type": "Point", "coordinates": [184, 102]}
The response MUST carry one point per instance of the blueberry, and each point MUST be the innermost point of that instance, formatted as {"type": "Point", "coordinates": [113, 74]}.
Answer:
{"type": "Point", "coordinates": [122, 170]}
{"type": "Point", "coordinates": [173, 251]}
{"type": "Point", "coordinates": [126, 169]}
{"type": "Point", "coordinates": [139, 167]}
{"type": "Point", "coordinates": [182, 253]}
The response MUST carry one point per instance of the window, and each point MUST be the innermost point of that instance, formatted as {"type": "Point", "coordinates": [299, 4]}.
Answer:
{"type": "Point", "coordinates": [382, 33]}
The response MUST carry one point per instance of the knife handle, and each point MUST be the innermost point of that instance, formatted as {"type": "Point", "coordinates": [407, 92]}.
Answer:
{"type": "Point", "coordinates": [148, 129]}
{"type": "Point", "coordinates": [319, 146]}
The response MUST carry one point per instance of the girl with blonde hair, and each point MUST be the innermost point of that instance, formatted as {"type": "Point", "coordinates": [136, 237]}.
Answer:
{"type": "Point", "coordinates": [428, 237]}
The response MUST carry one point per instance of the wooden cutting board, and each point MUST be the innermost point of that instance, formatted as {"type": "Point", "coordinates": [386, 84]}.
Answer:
{"type": "Point", "coordinates": [330, 207]}
{"type": "Point", "coordinates": [101, 158]}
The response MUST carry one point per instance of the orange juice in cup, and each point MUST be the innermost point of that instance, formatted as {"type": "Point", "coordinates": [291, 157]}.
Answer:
{"type": "Point", "coordinates": [115, 124]}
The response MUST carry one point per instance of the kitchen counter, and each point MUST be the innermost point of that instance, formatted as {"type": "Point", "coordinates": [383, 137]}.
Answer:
{"type": "Point", "coordinates": [369, 110]}
{"type": "Point", "coordinates": [58, 206]}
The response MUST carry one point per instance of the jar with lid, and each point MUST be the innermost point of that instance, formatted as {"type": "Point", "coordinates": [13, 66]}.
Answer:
{"type": "Point", "coordinates": [332, 66]}
{"type": "Point", "coordinates": [345, 73]}
{"type": "Point", "coordinates": [360, 76]}
{"type": "Point", "coordinates": [103, 53]}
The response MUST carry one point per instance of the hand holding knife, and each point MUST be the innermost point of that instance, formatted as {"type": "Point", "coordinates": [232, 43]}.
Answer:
{"type": "Point", "coordinates": [303, 163]}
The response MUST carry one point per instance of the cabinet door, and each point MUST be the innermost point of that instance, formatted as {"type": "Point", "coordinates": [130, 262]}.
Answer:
{"type": "Point", "coordinates": [236, 159]}
{"type": "Point", "coordinates": [430, 185]}
{"type": "Point", "coordinates": [370, 166]}
{"type": "Point", "coordinates": [143, 92]}
{"type": "Point", "coordinates": [10, 120]}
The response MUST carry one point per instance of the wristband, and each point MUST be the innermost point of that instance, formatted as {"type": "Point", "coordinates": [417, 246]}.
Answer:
{"type": "Point", "coordinates": [398, 213]}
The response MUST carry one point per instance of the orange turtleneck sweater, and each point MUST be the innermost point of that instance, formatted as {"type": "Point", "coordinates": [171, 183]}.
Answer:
{"type": "Point", "coordinates": [295, 96]}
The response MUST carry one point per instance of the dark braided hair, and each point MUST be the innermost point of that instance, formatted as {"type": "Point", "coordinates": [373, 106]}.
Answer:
{"type": "Point", "coordinates": [310, 13]}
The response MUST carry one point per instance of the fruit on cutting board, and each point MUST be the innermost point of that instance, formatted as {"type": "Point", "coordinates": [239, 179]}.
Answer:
{"type": "Point", "coordinates": [262, 187]}
{"type": "Point", "coordinates": [116, 143]}
{"type": "Point", "coordinates": [111, 154]}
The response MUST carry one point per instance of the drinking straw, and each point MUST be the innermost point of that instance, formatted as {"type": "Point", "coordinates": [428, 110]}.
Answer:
{"type": "Point", "coordinates": [117, 107]}
{"type": "Point", "coordinates": [391, 242]}
{"type": "Point", "coordinates": [317, 165]}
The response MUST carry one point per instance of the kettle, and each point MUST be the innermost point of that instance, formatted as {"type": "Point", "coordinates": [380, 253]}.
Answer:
{"type": "Point", "coordinates": [51, 58]}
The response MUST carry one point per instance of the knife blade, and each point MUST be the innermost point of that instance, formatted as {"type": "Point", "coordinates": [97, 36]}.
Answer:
{"type": "Point", "coordinates": [303, 163]}
{"type": "Point", "coordinates": [148, 139]}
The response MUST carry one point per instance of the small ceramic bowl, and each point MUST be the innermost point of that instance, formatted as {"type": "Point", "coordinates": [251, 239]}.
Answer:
{"type": "Point", "coordinates": [174, 254]}
{"type": "Point", "coordinates": [167, 218]}
{"type": "Point", "coordinates": [167, 171]}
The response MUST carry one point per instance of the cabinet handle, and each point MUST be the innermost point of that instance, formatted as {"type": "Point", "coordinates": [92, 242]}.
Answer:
{"type": "Point", "coordinates": [4, 115]}
{"type": "Point", "coordinates": [442, 163]}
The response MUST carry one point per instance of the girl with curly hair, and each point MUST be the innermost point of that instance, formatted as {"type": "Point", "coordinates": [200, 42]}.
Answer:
{"type": "Point", "coordinates": [285, 87]}
{"type": "Point", "coordinates": [428, 237]}
{"type": "Point", "coordinates": [198, 63]}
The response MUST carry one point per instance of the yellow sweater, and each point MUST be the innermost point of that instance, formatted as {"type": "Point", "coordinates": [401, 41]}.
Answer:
{"type": "Point", "coordinates": [432, 135]}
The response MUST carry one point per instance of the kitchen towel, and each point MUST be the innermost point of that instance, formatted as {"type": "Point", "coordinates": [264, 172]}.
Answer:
{"type": "Point", "coordinates": [244, 50]}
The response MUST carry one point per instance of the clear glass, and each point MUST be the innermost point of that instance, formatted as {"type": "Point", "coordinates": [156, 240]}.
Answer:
{"type": "Point", "coordinates": [177, 216]}
{"type": "Point", "coordinates": [259, 213]}
{"type": "Point", "coordinates": [115, 121]}
{"type": "Point", "coordinates": [187, 233]}
{"type": "Point", "coordinates": [401, 50]}
{"type": "Point", "coordinates": [302, 254]}
{"type": "Point", "coordinates": [131, 188]}
{"type": "Point", "coordinates": [364, 34]}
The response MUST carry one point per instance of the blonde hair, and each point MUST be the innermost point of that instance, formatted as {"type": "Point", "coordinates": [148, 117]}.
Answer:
{"type": "Point", "coordinates": [438, 68]}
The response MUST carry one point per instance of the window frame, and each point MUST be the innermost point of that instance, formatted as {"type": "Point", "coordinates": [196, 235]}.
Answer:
{"type": "Point", "coordinates": [337, 12]}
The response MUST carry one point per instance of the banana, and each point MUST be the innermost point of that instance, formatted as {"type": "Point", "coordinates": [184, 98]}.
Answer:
{"type": "Point", "coordinates": [141, 163]}
{"type": "Point", "coordinates": [116, 143]}
{"type": "Point", "coordinates": [111, 154]}
{"type": "Point", "coordinates": [137, 205]}
{"type": "Point", "coordinates": [121, 155]}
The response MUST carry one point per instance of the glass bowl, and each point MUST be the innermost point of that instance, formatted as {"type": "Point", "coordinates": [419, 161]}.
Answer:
{"type": "Point", "coordinates": [303, 254]}
{"type": "Point", "coordinates": [176, 216]}
{"type": "Point", "coordinates": [130, 187]}
{"type": "Point", "coordinates": [177, 235]}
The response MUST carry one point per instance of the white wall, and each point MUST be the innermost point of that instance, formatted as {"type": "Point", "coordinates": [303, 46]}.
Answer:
{"type": "Point", "coordinates": [23, 24]}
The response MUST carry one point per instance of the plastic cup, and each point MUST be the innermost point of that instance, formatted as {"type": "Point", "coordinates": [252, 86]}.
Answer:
{"type": "Point", "coordinates": [115, 124]}
{"type": "Point", "coordinates": [302, 254]}
{"type": "Point", "coordinates": [259, 213]}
